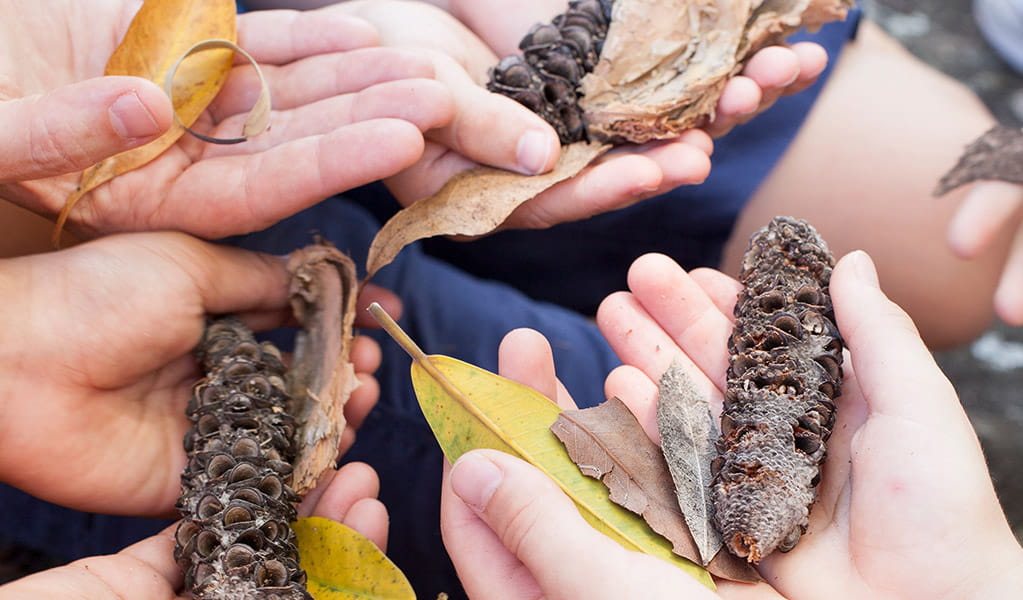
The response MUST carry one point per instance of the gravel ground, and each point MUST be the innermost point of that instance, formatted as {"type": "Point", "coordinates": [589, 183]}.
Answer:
{"type": "Point", "coordinates": [988, 374]}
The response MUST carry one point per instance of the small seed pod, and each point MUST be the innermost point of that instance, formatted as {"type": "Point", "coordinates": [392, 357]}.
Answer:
{"type": "Point", "coordinates": [784, 375]}
{"type": "Point", "coordinates": [235, 539]}
{"type": "Point", "coordinates": [555, 57]}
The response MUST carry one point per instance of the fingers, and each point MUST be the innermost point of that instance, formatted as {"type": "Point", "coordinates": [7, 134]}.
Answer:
{"type": "Point", "coordinates": [319, 77]}
{"type": "Point", "coordinates": [422, 102]}
{"type": "Point", "coordinates": [279, 37]}
{"type": "Point", "coordinates": [75, 126]}
{"type": "Point", "coordinates": [637, 391]}
{"type": "Point", "coordinates": [349, 496]}
{"type": "Point", "coordinates": [619, 180]}
{"type": "Point", "coordinates": [143, 570]}
{"type": "Point", "coordinates": [253, 192]}
{"type": "Point", "coordinates": [525, 356]}
{"type": "Point", "coordinates": [227, 280]}
{"type": "Point", "coordinates": [538, 524]}
{"type": "Point", "coordinates": [387, 299]}
{"type": "Point", "coordinates": [502, 23]}
{"type": "Point", "coordinates": [987, 209]}
{"type": "Point", "coordinates": [1009, 295]}
{"type": "Point", "coordinates": [684, 311]}
{"type": "Point", "coordinates": [492, 129]}
{"type": "Point", "coordinates": [894, 368]}
{"type": "Point", "coordinates": [771, 73]}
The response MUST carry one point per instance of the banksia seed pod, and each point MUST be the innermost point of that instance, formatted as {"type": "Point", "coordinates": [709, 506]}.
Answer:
{"type": "Point", "coordinates": [235, 540]}
{"type": "Point", "coordinates": [784, 375]}
{"type": "Point", "coordinates": [555, 57]}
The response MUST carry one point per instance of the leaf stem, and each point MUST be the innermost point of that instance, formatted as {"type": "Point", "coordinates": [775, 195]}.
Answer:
{"type": "Point", "coordinates": [395, 331]}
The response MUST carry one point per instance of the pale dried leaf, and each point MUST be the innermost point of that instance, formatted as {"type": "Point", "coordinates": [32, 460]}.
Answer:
{"type": "Point", "coordinates": [473, 202]}
{"type": "Point", "coordinates": [665, 62]}
{"type": "Point", "coordinates": [995, 156]}
{"type": "Point", "coordinates": [688, 432]}
{"type": "Point", "coordinates": [323, 291]}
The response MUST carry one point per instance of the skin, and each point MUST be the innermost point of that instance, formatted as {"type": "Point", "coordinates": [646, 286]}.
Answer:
{"type": "Point", "coordinates": [147, 569]}
{"type": "Point", "coordinates": [491, 129]}
{"type": "Point", "coordinates": [329, 134]}
{"type": "Point", "coordinates": [98, 360]}
{"type": "Point", "coordinates": [906, 507]}
{"type": "Point", "coordinates": [884, 130]}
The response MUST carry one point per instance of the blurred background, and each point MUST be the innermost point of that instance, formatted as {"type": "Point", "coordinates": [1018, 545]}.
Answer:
{"type": "Point", "coordinates": [988, 374]}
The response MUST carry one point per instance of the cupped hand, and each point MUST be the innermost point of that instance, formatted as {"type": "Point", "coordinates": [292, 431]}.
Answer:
{"type": "Point", "coordinates": [147, 570]}
{"type": "Point", "coordinates": [989, 209]}
{"type": "Point", "coordinates": [490, 129]}
{"type": "Point", "coordinates": [513, 533]}
{"type": "Point", "coordinates": [97, 364]}
{"type": "Point", "coordinates": [345, 114]}
{"type": "Point", "coordinates": [906, 506]}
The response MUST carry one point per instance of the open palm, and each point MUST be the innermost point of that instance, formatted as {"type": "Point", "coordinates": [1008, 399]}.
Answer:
{"type": "Point", "coordinates": [344, 114]}
{"type": "Point", "coordinates": [906, 507]}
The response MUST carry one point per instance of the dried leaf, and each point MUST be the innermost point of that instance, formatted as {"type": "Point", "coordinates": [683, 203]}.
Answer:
{"type": "Point", "coordinates": [665, 62]}
{"type": "Point", "coordinates": [608, 443]}
{"type": "Point", "coordinates": [343, 565]}
{"type": "Point", "coordinates": [996, 155]}
{"type": "Point", "coordinates": [473, 202]}
{"type": "Point", "coordinates": [323, 292]}
{"type": "Point", "coordinates": [258, 119]}
{"type": "Point", "coordinates": [687, 439]}
{"type": "Point", "coordinates": [162, 31]}
{"type": "Point", "coordinates": [469, 408]}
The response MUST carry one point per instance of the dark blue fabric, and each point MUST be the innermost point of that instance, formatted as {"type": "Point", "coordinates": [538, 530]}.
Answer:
{"type": "Point", "coordinates": [449, 312]}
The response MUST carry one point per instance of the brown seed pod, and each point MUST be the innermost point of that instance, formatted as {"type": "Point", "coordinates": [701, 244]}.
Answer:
{"type": "Point", "coordinates": [234, 540]}
{"type": "Point", "coordinates": [639, 70]}
{"type": "Point", "coordinates": [784, 375]}
{"type": "Point", "coordinates": [555, 57]}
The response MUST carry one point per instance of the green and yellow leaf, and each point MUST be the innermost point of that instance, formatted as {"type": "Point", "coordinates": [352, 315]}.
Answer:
{"type": "Point", "coordinates": [469, 408]}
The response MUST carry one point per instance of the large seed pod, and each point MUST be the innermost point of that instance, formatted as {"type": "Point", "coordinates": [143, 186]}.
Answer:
{"type": "Point", "coordinates": [784, 375]}
{"type": "Point", "coordinates": [235, 539]}
{"type": "Point", "coordinates": [555, 57]}
{"type": "Point", "coordinates": [637, 70]}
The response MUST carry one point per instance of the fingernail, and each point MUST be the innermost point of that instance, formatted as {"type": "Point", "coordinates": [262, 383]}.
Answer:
{"type": "Point", "coordinates": [131, 119]}
{"type": "Point", "coordinates": [533, 152]}
{"type": "Point", "coordinates": [475, 479]}
{"type": "Point", "coordinates": [864, 268]}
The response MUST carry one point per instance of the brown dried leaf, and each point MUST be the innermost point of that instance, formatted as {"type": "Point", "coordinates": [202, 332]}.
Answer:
{"type": "Point", "coordinates": [162, 31]}
{"type": "Point", "coordinates": [665, 62]}
{"type": "Point", "coordinates": [687, 433]}
{"type": "Point", "coordinates": [323, 291]}
{"type": "Point", "coordinates": [996, 155]}
{"type": "Point", "coordinates": [473, 202]}
{"type": "Point", "coordinates": [608, 443]}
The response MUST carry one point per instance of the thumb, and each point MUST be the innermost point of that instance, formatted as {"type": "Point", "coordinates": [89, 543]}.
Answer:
{"type": "Point", "coordinates": [541, 526]}
{"type": "Point", "coordinates": [74, 126]}
{"type": "Point", "coordinates": [895, 370]}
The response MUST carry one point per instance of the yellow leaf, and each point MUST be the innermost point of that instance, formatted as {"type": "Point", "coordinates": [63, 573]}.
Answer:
{"type": "Point", "coordinates": [341, 564]}
{"type": "Point", "coordinates": [469, 408]}
{"type": "Point", "coordinates": [160, 33]}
